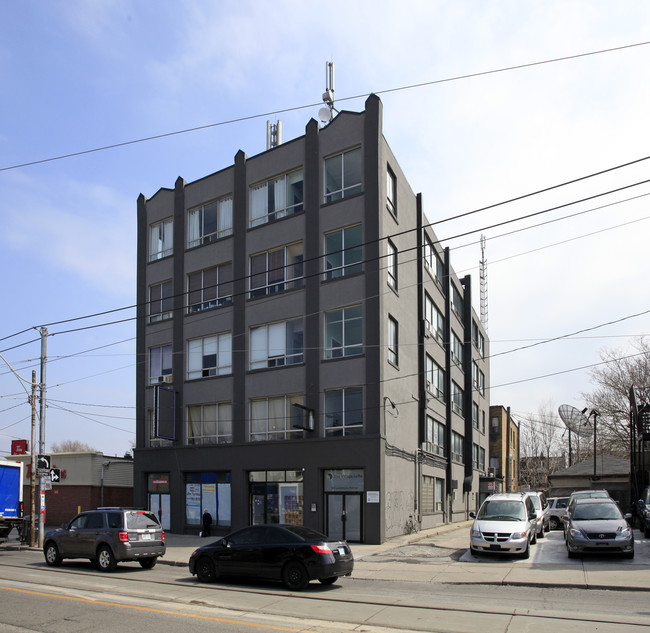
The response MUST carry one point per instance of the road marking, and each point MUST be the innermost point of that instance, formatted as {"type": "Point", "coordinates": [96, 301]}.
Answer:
{"type": "Point", "coordinates": [150, 610]}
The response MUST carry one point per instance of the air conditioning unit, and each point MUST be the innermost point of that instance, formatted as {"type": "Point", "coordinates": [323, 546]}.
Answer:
{"type": "Point", "coordinates": [490, 472]}
{"type": "Point", "coordinates": [427, 329]}
{"type": "Point", "coordinates": [168, 379]}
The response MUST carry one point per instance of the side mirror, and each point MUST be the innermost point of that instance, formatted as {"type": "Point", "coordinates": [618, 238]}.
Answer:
{"type": "Point", "coordinates": [627, 516]}
{"type": "Point", "coordinates": [641, 503]}
{"type": "Point", "coordinates": [472, 515]}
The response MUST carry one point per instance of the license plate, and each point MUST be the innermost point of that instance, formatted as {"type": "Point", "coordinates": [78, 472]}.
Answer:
{"type": "Point", "coordinates": [342, 551]}
{"type": "Point", "coordinates": [146, 537]}
{"type": "Point", "coordinates": [495, 547]}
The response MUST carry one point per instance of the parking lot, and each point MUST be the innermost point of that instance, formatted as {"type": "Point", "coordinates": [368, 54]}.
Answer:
{"type": "Point", "coordinates": [552, 550]}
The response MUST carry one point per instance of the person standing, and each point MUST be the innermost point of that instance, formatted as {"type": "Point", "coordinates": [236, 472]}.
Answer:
{"type": "Point", "coordinates": [207, 523]}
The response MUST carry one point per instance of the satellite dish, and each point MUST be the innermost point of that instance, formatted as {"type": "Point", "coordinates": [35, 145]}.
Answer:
{"type": "Point", "coordinates": [325, 115]}
{"type": "Point", "coordinates": [576, 421]}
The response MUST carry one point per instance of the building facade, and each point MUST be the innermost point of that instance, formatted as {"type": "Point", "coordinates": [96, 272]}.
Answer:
{"type": "Point", "coordinates": [305, 351]}
{"type": "Point", "coordinates": [503, 470]}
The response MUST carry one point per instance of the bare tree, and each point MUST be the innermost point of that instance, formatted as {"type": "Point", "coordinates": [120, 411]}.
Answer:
{"type": "Point", "coordinates": [72, 446]}
{"type": "Point", "coordinates": [612, 381]}
{"type": "Point", "coordinates": [542, 445]}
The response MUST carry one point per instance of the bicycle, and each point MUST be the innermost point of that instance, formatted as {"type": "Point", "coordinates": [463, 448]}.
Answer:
{"type": "Point", "coordinates": [411, 525]}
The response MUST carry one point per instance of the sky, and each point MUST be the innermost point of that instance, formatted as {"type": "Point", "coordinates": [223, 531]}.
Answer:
{"type": "Point", "coordinates": [484, 102]}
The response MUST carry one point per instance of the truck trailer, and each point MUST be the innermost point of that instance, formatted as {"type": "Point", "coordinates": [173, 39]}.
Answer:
{"type": "Point", "coordinates": [11, 497]}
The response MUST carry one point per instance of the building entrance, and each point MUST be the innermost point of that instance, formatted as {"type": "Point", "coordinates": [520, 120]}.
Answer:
{"type": "Point", "coordinates": [344, 516]}
{"type": "Point", "coordinates": [160, 504]}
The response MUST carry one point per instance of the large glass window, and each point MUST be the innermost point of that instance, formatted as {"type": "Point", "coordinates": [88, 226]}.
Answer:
{"type": "Point", "coordinates": [343, 175]}
{"type": "Point", "coordinates": [276, 344]}
{"type": "Point", "coordinates": [343, 252]}
{"type": "Point", "coordinates": [276, 198]}
{"type": "Point", "coordinates": [209, 356]}
{"type": "Point", "coordinates": [435, 438]}
{"type": "Point", "coordinates": [432, 261]}
{"type": "Point", "coordinates": [457, 399]}
{"type": "Point", "coordinates": [209, 222]}
{"type": "Point", "coordinates": [456, 301]}
{"type": "Point", "coordinates": [209, 288]}
{"type": "Point", "coordinates": [160, 363]}
{"type": "Point", "coordinates": [343, 332]}
{"type": "Point", "coordinates": [457, 447]}
{"type": "Point", "coordinates": [456, 350]}
{"type": "Point", "coordinates": [161, 239]}
{"type": "Point", "coordinates": [435, 322]}
{"type": "Point", "coordinates": [160, 302]}
{"type": "Point", "coordinates": [274, 418]}
{"type": "Point", "coordinates": [435, 377]}
{"type": "Point", "coordinates": [209, 423]}
{"type": "Point", "coordinates": [391, 191]}
{"type": "Point", "coordinates": [277, 270]}
{"type": "Point", "coordinates": [208, 491]}
{"type": "Point", "coordinates": [276, 497]}
{"type": "Point", "coordinates": [344, 411]}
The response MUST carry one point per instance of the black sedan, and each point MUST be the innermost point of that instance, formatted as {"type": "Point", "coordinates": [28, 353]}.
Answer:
{"type": "Point", "coordinates": [291, 553]}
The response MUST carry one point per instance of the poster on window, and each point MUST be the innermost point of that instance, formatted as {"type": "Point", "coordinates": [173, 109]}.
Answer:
{"type": "Point", "coordinates": [193, 504]}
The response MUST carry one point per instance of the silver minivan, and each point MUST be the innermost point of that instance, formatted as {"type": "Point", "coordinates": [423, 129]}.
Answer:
{"type": "Point", "coordinates": [506, 523]}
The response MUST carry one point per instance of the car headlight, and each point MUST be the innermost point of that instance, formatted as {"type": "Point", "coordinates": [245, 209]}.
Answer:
{"type": "Point", "coordinates": [576, 533]}
{"type": "Point", "coordinates": [518, 535]}
{"type": "Point", "coordinates": [625, 532]}
{"type": "Point", "coordinates": [476, 533]}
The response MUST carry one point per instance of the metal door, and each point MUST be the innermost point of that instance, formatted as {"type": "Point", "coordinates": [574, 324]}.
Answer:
{"type": "Point", "coordinates": [344, 516]}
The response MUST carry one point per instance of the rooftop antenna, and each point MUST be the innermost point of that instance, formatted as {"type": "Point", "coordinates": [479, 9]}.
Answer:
{"type": "Point", "coordinates": [484, 288]}
{"type": "Point", "coordinates": [273, 134]}
{"type": "Point", "coordinates": [326, 114]}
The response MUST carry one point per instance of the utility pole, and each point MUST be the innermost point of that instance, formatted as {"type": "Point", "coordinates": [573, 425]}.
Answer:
{"type": "Point", "coordinates": [32, 518]}
{"type": "Point", "coordinates": [41, 442]}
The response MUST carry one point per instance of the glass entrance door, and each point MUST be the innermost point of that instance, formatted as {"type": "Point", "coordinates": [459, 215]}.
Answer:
{"type": "Point", "coordinates": [160, 504]}
{"type": "Point", "coordinates": [344, 516]}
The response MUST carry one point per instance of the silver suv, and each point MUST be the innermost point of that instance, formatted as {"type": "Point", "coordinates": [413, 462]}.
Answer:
{"type": "Point", "coordinates": [506, 523]}
{"type": "Point", "coordinates": [107, 536]}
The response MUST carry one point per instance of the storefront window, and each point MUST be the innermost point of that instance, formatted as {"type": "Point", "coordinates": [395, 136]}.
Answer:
{"type": "Point", "coordinates": [276, 496]}
{"type": "Point", "coordinates": [211, 492]}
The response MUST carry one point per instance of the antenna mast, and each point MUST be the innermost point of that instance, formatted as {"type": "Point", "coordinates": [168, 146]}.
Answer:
{"type": "Point", "coordinates": [484, 288]}
{"type": "Point", "coordinates": [326, 114]}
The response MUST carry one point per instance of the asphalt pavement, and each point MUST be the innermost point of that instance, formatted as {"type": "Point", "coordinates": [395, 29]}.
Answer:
{"type": "Point", "coordinates": [441, 555]}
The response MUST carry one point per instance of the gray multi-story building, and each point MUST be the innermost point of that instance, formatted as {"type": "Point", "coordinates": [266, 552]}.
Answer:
{"type": "Point", "coordinates": [306, 353]}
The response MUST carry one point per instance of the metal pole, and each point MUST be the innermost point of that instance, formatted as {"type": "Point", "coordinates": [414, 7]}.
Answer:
{"type": "Point", "coordinates": [595, 419]}
{"type": "Point", "coordinates": [32, 518]}
{"type": "Point", "coordinates": [41, 442]}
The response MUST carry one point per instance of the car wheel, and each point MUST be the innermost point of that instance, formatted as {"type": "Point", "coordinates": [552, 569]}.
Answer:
{"type": "Point", "coordinates": [534, 539]}
{"type": "Point", "coordinates": [554, 524]}
{"type": "Point", "coordinates": [105, 559]}
{"type": "Point", "coordinates": [52, 556]}
{"type": "Point", "coordinates": [205, 571]}
{"type": "Point", "coordinates": [526, 553]}
{"type": "Point", "coordinates": [328, 581]}
{"type": "Point", "coordinates": [148, 563]}
{"type": "Point", "coordinates": [542, 534]}
{"type": "Point", "coordinates": [294, 576]}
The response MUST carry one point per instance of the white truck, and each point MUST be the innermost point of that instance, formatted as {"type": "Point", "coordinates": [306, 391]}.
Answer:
{"type": "Point", "coordinates": [11, 497]}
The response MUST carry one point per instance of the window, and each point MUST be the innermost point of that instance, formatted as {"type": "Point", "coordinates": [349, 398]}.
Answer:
{"type": "Point", "coordinates": [457, 447]}
{"type": "Point", "coordinates": [209, 288]}
{"type": "Point", "coordinates": [475, 415]}
{"type": "Point", "coordinates": [391, 264]}
{"type": "Point", "coordinates": [391, 192]}
{"type": "Point", "coordinates": [276, 198]}
{"type": "Point", "coordinates": [432, 262]}
{"type": "Point", "coordinates": [457, 350]}
{"type": "Point", "coordinates": [428, 494]}
{"type": "Point", "coordinates": [494, 423]}
{"type": "Point", "coordinates": [209, 356]}
{"type": "Point", "coordinates": [274, 418]}
{"type": "Point", "coordinates": [277, 270]}
{"type": "Point", "coordinates": [344, 411]}
{"type": "Point", "coordinates": [435, 322]}
{"type": "Point", "coordinates": [160, 363]}
{"type": "Point", "coordinates": [276, 344]}
{"type": "Point", "coordinates": [435, 377]}
{"type": "Point", "coordinates": [478, 379]}
{"type": "Point", "coordinates": [481, 459]}
{"type": "Point", "coordinates": [209, 424]}
{"type": "Point", "coordinates": [478, 339]}
{"type": "Point", "coordinates": [160, 302]}
{"type": "Point", "coordinates": [210, 222]}
{"type": "Point", "coordinates": [439, 494]}
{"type": "Point", "coordinates": [343, 252]}
{"type": "Point", "coordinates": [343, 332]}
{"type": "Point", "coordinates": [161, 239]}
{"type": "Point", "coordinates": [435, 437]}
{"type": "Point", "coordinates": [475, 448]}
{"type": "Point", "coordinates": [343, 175]}
{"type": "Point", "coordinates": [456, 301]}
{"type": "Point", "coordinates": [458, 398]}
{"type": "Point", "coordinates": [393, 341]}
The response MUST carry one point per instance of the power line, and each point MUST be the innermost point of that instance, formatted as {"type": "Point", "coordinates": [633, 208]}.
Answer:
{"type": "Point", "coordinates": [275, 113]}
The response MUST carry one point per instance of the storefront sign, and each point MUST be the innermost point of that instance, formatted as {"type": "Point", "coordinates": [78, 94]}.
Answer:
{"type": "Point", "coordinates": [344, 480]}
{"type": "Point", "coordinates": [372, 496]}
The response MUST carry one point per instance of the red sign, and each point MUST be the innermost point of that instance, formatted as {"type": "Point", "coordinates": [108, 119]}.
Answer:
{"type": "Point", "coordinates": [19, 447]}
{"type": "Point", "coordinates": [159, 482]}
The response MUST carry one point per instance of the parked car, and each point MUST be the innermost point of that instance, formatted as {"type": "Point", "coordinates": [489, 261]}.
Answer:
{"type": "Point", "coordinates": [556, 510]}
{"type": "Point", "coordinates": [643, 510]}
{"type": "Point", "coordinates": [581, 494]}
{"type": "Point", "coordinates": [506, 523]}
{"type": "Point", "coordinates": [597, 525]}
{"type": "Point", "coordinates": [541, 510]}
{"type": "Point", "coordinates": [291, 553]}
{"type": "Point", "coordinates": [107, 536]}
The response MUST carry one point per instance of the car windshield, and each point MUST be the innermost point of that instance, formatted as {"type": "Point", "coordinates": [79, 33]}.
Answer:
{"type": "Point", "coordinates": [596, 512]}
{"type": "Point", "coordinates": [141, 520]}
{"type": "Point", "coordinates": [536, 502]}
{"type": "Point", "coordinates": [502, 510]}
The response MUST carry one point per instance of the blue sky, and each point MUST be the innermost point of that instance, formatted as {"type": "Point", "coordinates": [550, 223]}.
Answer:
{"type": "Point", "coordinates": [83, 75]}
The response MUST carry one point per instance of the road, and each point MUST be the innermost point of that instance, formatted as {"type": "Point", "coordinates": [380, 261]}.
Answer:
{"type": "Point", "coordinates": [76, 597]}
